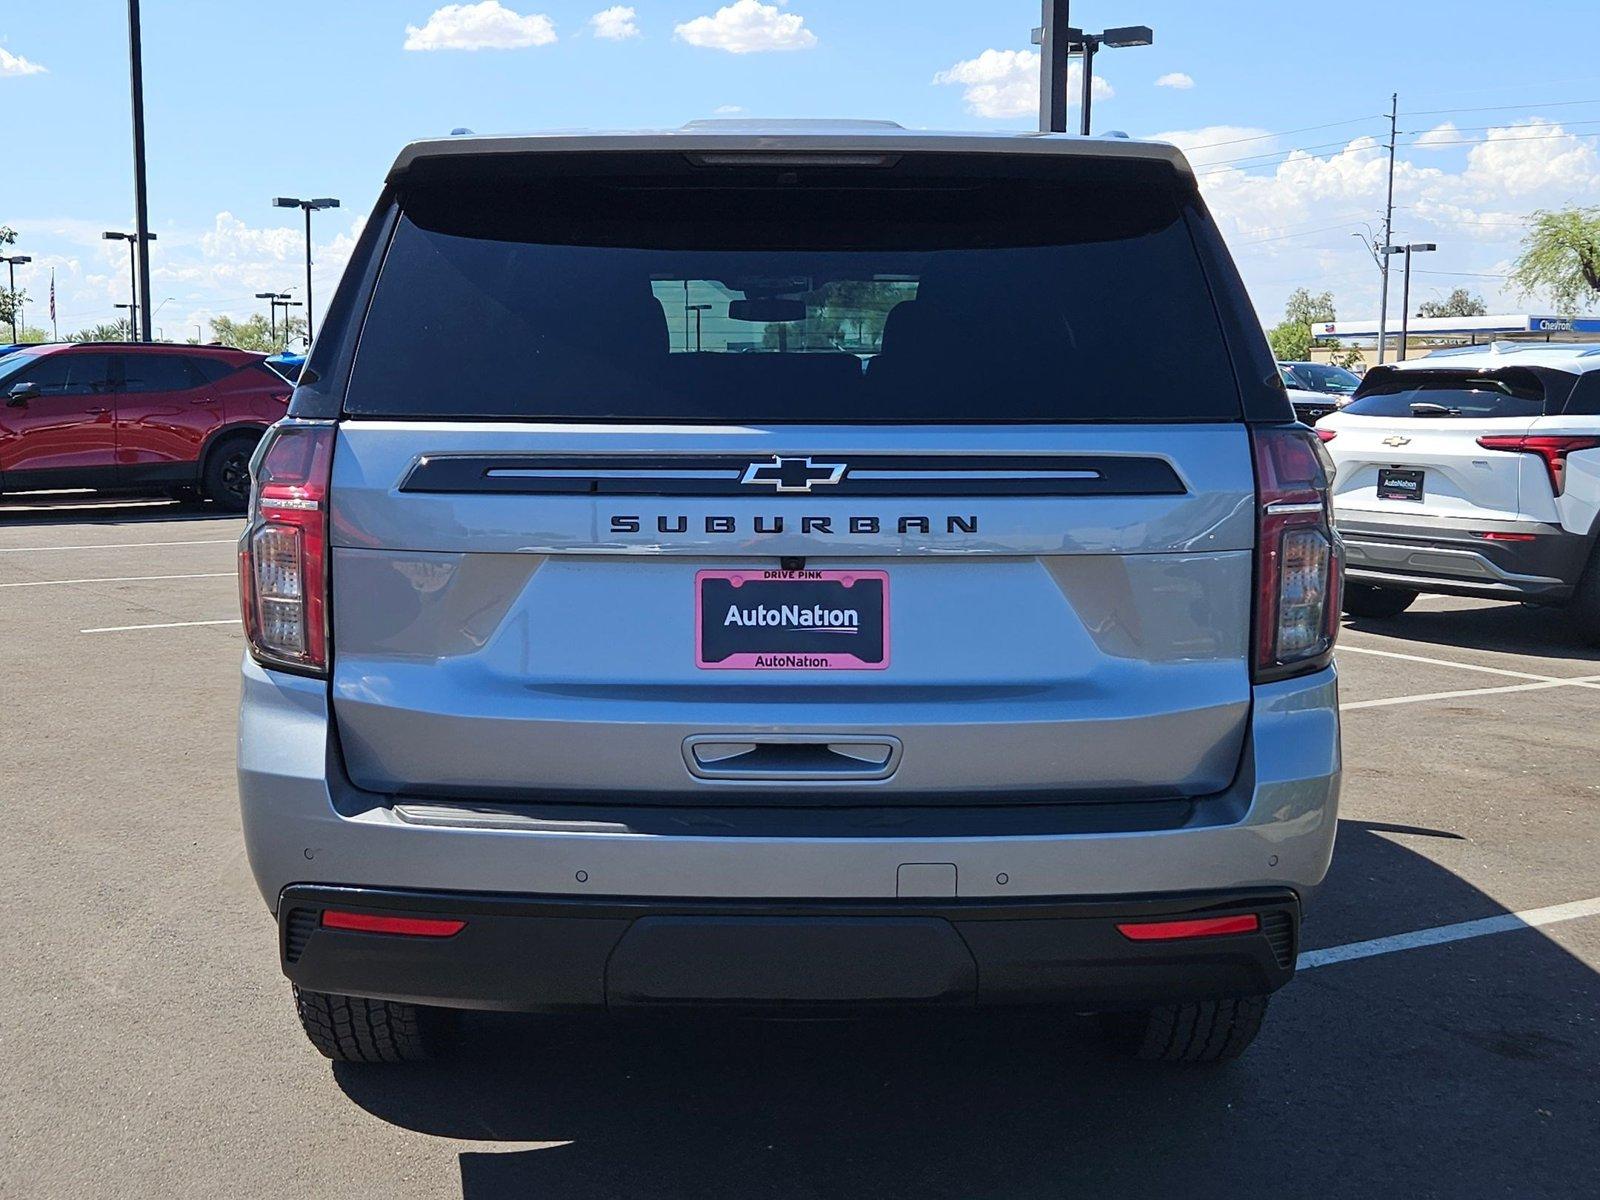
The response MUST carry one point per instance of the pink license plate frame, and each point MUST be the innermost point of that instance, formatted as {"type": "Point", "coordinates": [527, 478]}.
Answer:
{"type": "Point", "coordinates": [784, 660]}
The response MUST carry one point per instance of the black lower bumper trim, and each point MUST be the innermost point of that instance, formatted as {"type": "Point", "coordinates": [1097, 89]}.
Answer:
{"type": "Point", "coordinates": [524, 953]}
{"type": "Point", "coordinates": [1451, 555]}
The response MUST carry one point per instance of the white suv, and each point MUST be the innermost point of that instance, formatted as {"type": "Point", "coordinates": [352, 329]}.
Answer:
{"type": "Point", "coordinates": [1472, 472]}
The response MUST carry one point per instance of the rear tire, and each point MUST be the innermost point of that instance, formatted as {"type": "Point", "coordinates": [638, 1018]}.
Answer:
{"type": "Point", "coordinates": [1364, 600]}
{"type": "Point", "coordinates": [356, 1029]}
{"type": "Point", "coordinates": [1202, 1031]}
{"type": "Point", "coordinates": [226, 479]}
{"type": "Point", "coordinates": [1584, 608]}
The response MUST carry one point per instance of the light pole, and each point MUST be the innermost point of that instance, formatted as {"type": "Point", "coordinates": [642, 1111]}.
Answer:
{"type": "Point", "coordinates": [309, 207]}
{"type": "Point", "coordinates": [1086, 44]}
{"type": "Point", "coordinates": [286, 304]}
{"type": "Point", "coordinates": [272, 313]}
{"type": "Point", "coordinates": [12, 263]}
{"type": "Point", "coordinates": [1405, 289]}
{"type": "Point", "coordinates": [697, 309]}
{"type": "Point", "coordinates": [133, 240]}
{"type": "Point", "coordinates": [1052, 39]}
{"type": "Point", "coordinates": [142, 237]}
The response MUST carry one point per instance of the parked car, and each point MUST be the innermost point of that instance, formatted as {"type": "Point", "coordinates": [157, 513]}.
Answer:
{"type": "Point", "coordinates": [135, 417]}
{"type": "Point", "coordinates": [1316, 389]}
{"type": "Point", "coordinates": [614, 661]}
{"type": "Point", "coordinates": [1473, 472]}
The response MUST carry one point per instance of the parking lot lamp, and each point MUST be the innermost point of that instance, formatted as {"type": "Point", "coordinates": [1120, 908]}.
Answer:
{"type": "Point", "coordinates": [112, 235]}
{"type": "Point", "coordinates": [12, 263]}
{"type": "Point", "coordinates": [308, 207]}
{"type": "Point", "coordinates": [1405, 288]}
{"type": "Point", "coordinates": [1086, 45]}
{"type": "Point", "coordinates": [133, 313]}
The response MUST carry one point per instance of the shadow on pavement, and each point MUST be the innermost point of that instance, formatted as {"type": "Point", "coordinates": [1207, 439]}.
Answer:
{"type": "Point", "coordinates": [1463, 1070]}
{"type": "Point", "coordinates": [1508, 628]}
{"type": "Point", "coordinates": [88, 509]}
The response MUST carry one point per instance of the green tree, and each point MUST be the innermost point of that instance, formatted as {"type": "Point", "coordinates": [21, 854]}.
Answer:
{"type": "Point", "coordinates": [8, 298]}
{"type": "Point", "coordinates": [114, 331]}
{"type": "Point", "coordinates": [1459, 303]}
{"type": "Point", "coordinates": [1291, 338]}
{"type": "Point", "coordinates": [256, 333]}
{"type": "Point", "coordinates": [1560, 259]}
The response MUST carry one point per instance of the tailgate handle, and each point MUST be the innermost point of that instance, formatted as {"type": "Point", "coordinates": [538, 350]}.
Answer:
{"type": "Point", "coordinates": [791, 757]}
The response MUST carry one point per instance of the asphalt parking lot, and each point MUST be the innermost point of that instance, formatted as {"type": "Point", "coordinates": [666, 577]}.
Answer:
{"type": "Point", "coordinates": [147, 1044]}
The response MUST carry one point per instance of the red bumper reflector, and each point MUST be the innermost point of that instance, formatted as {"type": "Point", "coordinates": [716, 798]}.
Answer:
{"type": "Point", "coordinates": [1509, 537]}
{"type": "Point", "coordinates": [410, 926]}
{"type": "Point", "coordinates": [1167, 931]}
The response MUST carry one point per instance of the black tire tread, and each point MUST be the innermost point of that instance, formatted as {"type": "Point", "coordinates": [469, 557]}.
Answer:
{"type": "Point", "coordinates": [209, 487]}
{"type": "Point", "coordinates": [1202, 1031]}
{"type": "Point", "coordinates": [1584, 608]}
{"type": "Point", "coordinates": [357, 1029]}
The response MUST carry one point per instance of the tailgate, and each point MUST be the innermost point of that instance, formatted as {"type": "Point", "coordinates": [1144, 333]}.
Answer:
{"type": "Point", "coordinates": [1427, 467]}
{"type": "Point", "coordinates": [540, 611]}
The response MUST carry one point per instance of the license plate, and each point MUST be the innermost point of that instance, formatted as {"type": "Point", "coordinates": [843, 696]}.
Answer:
{"type": "Point", "coordinates": [792, 620]}
{"type": "Point", "coordinates": [1399, 485]}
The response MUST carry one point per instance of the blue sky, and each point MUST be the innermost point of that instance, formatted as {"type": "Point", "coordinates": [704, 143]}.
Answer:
{"type": "Point", "coordinates": [246, 101]}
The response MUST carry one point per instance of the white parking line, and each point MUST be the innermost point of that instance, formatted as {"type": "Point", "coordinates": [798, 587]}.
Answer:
{"type": "Point", "coordinates": [163, 625]}
{"type": "Point", "coordinates": [1345, 648]}
{"type": "Point", "coordinates": [1438, 935]}
{"type": "Point", "coordinates": [1585, 681]}
{"type": "Point", "coordinates": [118, 545]}
{"type": "Point", "coordinates": [116, 579]}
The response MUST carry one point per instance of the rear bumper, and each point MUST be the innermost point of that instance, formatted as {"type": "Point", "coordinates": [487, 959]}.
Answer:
{"type": "Point", "coordinates": [1450, 555]}
{"type": "Point", "coordinates": [528, 953]}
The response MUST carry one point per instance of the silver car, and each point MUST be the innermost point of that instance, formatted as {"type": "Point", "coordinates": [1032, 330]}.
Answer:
{"type": "Point", "coordinates": [805, 568]}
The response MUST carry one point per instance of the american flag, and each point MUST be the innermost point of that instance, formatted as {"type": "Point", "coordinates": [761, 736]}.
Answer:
{"type": "Point", "coordinates": [52, 295]}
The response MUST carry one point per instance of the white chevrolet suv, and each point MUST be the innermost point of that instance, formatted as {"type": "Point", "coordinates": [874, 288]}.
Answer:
{"type": "Point", "coordinates": [1472, 472]}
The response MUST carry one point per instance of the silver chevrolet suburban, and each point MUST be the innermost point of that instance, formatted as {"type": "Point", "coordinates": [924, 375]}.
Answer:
{"type": "Point", "coordinates": [799, 567]}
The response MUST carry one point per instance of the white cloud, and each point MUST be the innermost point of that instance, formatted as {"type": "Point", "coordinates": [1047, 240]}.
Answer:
{"type": "Point", "coordinates": [615, 24]}
{"type": "Point", "coordinates": [1177, 80]}
{"type": "Point", "coordinates": [1438, 137]}
{"type": "Point", "coordinates": [15, 64]}
{"type": "Point", "coordinates": [1005, 83]}
{"type": "Point", "coordinates": [485, 26]}
{"type": "Point", "coordinates": [748, 27]}
{"type": "Point", "coordinates": [1289, 216]}
{"type": "Point", "coordinates": [728, 110]}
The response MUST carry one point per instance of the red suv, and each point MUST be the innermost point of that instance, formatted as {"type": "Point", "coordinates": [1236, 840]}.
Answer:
{"type": "Point", "coordinates": [135, 417]}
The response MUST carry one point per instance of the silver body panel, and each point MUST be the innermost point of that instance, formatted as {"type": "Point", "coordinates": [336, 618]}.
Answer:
{"type": "Point", "coordinates": [304, 823]}
{"type": "Point", "coordinates": [512, 645]}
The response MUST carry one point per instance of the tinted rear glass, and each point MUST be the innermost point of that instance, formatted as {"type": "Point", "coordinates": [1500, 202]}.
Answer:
{"type": "Point", "coordinates": [753, 295]}
{"type": "Point", "coordinates": [1455, 395]}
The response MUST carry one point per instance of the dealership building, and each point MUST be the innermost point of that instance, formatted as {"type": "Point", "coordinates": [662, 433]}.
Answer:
{"type": "Point", "coordinates": [1425, 334]}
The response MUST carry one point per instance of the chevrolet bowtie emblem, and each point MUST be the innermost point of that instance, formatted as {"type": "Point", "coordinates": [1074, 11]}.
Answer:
{"type": "Point", "coordinates": [793, 474]}
{"type": "Point", "coordinates": [1396, 440]}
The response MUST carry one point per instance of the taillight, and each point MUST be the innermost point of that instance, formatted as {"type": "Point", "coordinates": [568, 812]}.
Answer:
{"type": "Point", "coordinates": [1326, 435]}
{"type": "Point", "coordinates": [1552, 448]}
{"type": "Point", "coordinates": [283, 552]}
{"type": "Point", "coordinates": [1299, 559]}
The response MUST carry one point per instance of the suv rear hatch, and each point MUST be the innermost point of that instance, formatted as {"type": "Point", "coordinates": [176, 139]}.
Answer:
{"type": "Point", "coordinates": [1409, 443]}
{"type": "Point", "coordinates": [682, 479]}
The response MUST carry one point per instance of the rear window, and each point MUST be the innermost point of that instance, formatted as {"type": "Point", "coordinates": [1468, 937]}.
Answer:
{"type": "Point", "coordinates": [1405, 394]}
{"type": "Point", "coordinates": [903, 293]}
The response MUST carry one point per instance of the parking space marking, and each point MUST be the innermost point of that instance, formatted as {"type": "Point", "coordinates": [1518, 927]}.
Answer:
{"type": "Point", "coordinates": [116, 579]}
{"type": "Point", "coordinates": [118, 545]}
{"type": "Point", "coordinates": [162, 625]}
{"type": "Point", "coordinates": [1542, 685]}
{"type": "Point", "coordinates": [1346, 648]}
{"type": "Point", "coordinates": [1438, 935]}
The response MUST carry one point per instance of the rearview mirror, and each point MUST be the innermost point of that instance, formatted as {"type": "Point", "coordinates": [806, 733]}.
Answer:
{"type": "Point", "coordinates": [767, 308]}
{"type": "Point", "coordinates": [21, 393]}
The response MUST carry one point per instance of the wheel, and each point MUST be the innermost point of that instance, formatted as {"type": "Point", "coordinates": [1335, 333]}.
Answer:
{"type": "Point", "coordinates": [356, 1029]}
{"type": "Point", "coordinates": [1585, 606]}
{"type": "Point", "coordinates": [226, 480]}
{"type": "Point", "coordinates": [1364, 600]}
{"type": "Point", "coordinates": [1203, 1031]}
